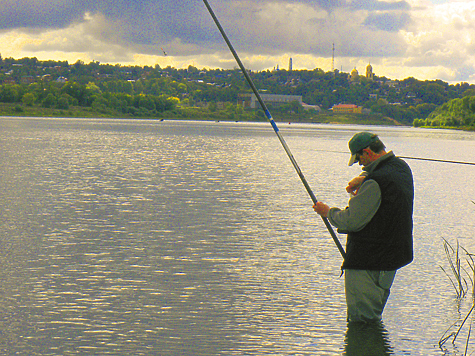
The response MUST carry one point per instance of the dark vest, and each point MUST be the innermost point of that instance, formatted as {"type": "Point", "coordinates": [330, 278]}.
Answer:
{"type": "Point", "coordinates": [385, 243]}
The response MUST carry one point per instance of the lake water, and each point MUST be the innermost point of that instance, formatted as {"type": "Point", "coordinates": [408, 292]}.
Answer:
{"type": "Point", "coordinates": [122, 237]}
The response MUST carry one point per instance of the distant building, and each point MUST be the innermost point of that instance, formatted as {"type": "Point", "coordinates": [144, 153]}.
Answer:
{"type": "Point", "coordinates": [354, 75]}
{"type": "Point", "coordinates": [347, 108]}
{"type": "Point", "coordinates": [250, 100]}
{"type": "Point", "coordinates": [369, 72]}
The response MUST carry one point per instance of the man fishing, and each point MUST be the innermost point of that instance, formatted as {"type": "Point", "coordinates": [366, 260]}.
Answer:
{"type": "Point", "coordinates": [378, 221]}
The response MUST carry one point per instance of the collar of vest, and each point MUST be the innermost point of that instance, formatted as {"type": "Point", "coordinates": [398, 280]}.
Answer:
{"type": "Point", "coordinates": [372, 166]}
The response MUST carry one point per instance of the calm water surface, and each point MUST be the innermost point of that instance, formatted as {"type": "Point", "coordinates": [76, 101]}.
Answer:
{"type": "Point", "coordinates": [198, 238]}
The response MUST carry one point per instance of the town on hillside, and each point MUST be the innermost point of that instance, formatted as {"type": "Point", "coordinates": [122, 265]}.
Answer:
{"type": "Point", "coordinates": [147, 90]}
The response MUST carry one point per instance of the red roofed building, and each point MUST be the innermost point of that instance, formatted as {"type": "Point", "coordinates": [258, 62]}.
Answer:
{"type": "Point", "coordinates": [347, 108]}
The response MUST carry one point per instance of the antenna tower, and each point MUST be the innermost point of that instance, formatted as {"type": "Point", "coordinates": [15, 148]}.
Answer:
{"type": "Point", "coordinates": [333, 58]}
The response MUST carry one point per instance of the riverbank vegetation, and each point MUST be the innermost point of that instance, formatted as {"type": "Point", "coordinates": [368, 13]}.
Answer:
{"type": "Point", "coordinates": [461, 273]}
{"type": "Point", "coordinates": [456, 113]}
{"type": "Point", "coordinates": [29, 87]}
{"type": "Point", "coordinates": [229, 113]}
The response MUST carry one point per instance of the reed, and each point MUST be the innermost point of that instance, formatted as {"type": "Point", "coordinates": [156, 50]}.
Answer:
{"type": "Point", "coordinates": [455, 334]}
{"type": "Point", "coordinates": [455, 262]}
{"type": "Point", "coordinates": [461, 286]}
{"type": "Point", "coordinates": [471, 265]}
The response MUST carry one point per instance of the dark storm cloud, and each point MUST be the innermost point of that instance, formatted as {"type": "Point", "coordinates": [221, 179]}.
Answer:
{"type": "Point", "coordinates": [139, 22]}
{"type": "Point", "coordinates": [173, 17]}
{"type": "Point", "coordinates": [262, 31]}
{"type": "Point", "coordinates": [170, 18]}
{"type": "Point", "coordinates": [384, 15]}
{"type": "Point", "coordinates": [147, 22]}
{"type": "Point", "coordinates": [375, 5]}
{"type": "Point", "coordinates": [116, 28]}
{"type": "Point", "coordinates": [39, 14]}
{"type": "Point", "coordinates": [389, 22]}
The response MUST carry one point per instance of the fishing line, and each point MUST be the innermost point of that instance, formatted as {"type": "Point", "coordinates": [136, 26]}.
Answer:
{"type": "Point", "coordinates": [415, 158]}
{"type": "Point", "coordinates": [274, 126]}
{"type": "Point", "coordinates": [438, 160]}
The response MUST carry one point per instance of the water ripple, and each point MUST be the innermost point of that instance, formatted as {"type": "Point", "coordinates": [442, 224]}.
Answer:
{"type": "Point", "coordinates": [179, 238]}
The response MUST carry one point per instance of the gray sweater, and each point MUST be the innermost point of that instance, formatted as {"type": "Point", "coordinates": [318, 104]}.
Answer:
{"type": "Point", "coordinates": [361, 207]}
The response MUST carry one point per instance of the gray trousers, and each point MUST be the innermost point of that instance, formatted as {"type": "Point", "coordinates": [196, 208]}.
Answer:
{"type": "Point", "coordinates": [367, 293]}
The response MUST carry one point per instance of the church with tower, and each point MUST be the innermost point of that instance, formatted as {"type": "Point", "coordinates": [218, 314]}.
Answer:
{"type": "Point", "coordinates": [369, 72]}
{"type": "Point", "coordinates": [354, 75]}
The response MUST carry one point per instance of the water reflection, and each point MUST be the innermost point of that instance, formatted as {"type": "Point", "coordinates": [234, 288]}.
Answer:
{"type": "Point", "coordinates": [367, 339]}
{"type": "Point", "coordinates": [180, 238]}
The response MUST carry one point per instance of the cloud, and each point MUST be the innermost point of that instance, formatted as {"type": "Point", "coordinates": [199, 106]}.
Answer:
{"type": "Point", "coordinates": [400, 38]}
{"type": "Point", "coordinates": [92, 38]}
{"type": "Point", "coordinates": [40, 14]}
{"type": "Point", "coordinates": [388, 22]}
{"type": "Point", "coordinates": [376, 5]}
{"type": "Point", "coordinates": [94, 35]}
{"type": "Point", "coordinates": [445, 39]}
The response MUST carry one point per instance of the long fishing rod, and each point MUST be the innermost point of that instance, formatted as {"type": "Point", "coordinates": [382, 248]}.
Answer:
{"type": "Point", "coordinates": [416, 158]}
{"type": "Point", "coordinates": [272, 122]}
{"type": "Point", "coordinates": [438, 160]}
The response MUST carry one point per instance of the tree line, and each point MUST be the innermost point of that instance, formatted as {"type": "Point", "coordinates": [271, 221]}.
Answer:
{"type": "Point", "coordinates": [458, 112]}
{"type": "Point", "coordinates": [64, 95]}
{"type": "Point", "coordinates": [152, 91]}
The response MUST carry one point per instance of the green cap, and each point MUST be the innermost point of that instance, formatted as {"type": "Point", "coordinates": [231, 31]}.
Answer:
{"type": "Point", "coordinates": [359, 142]}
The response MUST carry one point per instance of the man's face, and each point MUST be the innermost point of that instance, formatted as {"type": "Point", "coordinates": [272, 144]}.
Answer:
{"type": "Point", "coordinates": [363, 158]}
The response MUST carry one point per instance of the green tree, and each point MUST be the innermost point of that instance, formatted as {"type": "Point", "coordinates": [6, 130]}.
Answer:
{"type": "Point", "coordinates": [63, 103]}
{"type": "Point", "coordinates": [28, 99]}
{"type": "Point", "coordinates": [172, 102]}
{"type": "Point", "coordinates": [9, 93]}
{"type": "Point", "coordinates": [212, 107]}
{"type": "Point", "coordinates": [146, 102]}
{"type": "Point", "coordinates": [423, 110]}
{"type": "Point", "coordinates": [79, 92]}
{"type": "Point", "coordinates": [93, 88]}
{"type": "Point", "coordinates": [49, 101]}
{"type": "Point", "coordinates": [100, 102]}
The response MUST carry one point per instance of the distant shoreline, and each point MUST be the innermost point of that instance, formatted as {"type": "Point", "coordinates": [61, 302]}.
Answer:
{"type": "Point", "coordinates": [226, 120]}
{"type": "Point", "coordinates": [198, 114]}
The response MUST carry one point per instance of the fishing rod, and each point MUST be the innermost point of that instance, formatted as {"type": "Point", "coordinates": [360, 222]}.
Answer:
{"type": "Point", "coordinates": [416, 158]}
{"type": "Point", "coordinates": [438, 160]}
{"type": "Point", "coordinates": [274, 126]}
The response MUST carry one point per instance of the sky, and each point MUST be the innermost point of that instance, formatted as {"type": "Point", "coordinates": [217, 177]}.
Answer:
{"type": "Point", "coordinates": [424, 39]}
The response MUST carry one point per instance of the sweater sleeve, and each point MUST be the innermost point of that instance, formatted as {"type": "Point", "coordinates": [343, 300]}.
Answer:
{"type": "Point", "coordinates": [361, 208]}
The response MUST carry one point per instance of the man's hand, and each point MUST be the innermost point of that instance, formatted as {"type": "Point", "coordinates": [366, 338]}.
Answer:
{"type": "Point", "coordinates": [355, 184]}
{"type": "Point", "coordinates": [321, 209]}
